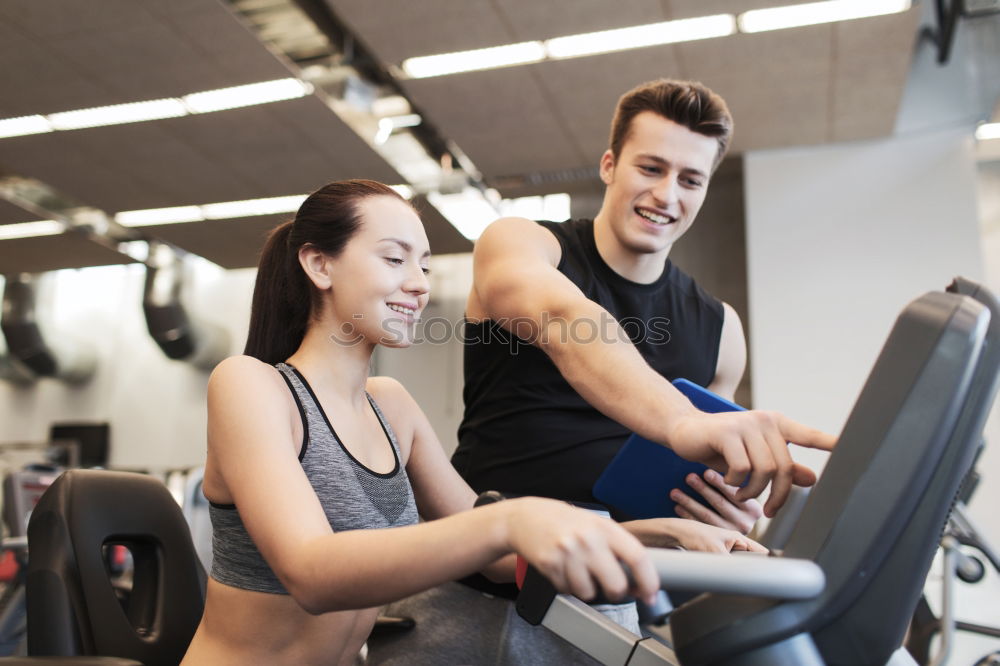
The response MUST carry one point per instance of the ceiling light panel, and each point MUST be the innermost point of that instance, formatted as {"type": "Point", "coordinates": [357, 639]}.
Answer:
{"type": "Point", "coordinates": [251, 207]}
{"type": "Point", "coordinates": [466, 61]}
{"type": "Point", "coordinates": [117, 114]}
{"type": "Point", "coordinates": [667, 32]}
{"type": "Point", "coordinates": [794, 16]}
{"type": "Point", "coordinates": [24, 125]}
{"type": "Point", "coordinates": [31, 229]}
{"type": "Point", "coordinates": [150, 216]}
{"type": "Point", "coordinates": [222, 99]}
{"type": "Point", "coordinates": [248, 95]}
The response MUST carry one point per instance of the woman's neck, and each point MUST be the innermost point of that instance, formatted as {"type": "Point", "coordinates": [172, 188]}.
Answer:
{"type": "Point", "coordinates": [333, 366]}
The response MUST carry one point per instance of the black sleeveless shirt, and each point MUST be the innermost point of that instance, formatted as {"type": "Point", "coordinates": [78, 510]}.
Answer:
{"type": "Point", "coordinates": [526, 430]}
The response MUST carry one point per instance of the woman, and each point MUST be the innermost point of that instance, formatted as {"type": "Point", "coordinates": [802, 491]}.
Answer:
{"type": "Point", "coordinates": [307, 455]}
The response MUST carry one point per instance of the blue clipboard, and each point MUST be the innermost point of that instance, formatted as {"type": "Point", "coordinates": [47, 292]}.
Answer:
{"type": "Point", "coordinates": [638, 480]}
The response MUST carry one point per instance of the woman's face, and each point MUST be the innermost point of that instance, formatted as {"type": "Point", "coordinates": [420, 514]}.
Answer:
{"type": "Point", "coordinates": [379, 282]}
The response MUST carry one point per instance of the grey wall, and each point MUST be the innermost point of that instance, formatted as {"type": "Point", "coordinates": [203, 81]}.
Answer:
{"type": "Point", "coordinates": [156, 406]}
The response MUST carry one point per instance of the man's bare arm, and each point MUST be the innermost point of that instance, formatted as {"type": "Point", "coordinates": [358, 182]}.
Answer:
{"type": "Point", "coordinates": [516, 284]}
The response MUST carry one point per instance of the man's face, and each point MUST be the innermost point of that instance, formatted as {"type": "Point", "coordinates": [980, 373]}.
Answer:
{"type": "Point", "coordinates": [657, 185]}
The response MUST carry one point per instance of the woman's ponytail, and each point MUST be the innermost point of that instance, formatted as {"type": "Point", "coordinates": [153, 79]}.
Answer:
{"type": "Point", "coordinates": [279, 312]}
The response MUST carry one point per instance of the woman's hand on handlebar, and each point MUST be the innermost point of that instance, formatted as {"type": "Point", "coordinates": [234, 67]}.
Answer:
{"type": "Point", "coordinates": [578, 551]}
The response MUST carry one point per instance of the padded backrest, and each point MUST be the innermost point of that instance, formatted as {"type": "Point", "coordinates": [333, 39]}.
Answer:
{"type": "Point", "coordinates": [880, 503]}
{"type": "Point", "coordinates": [72, 606]}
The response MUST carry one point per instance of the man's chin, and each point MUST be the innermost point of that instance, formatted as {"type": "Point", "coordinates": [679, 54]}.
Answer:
{"type": "Point", "coordinates": [649, 245]}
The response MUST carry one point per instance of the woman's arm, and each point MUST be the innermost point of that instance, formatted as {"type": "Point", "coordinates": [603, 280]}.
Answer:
{"type": "Point", "coordinates": [440, 491]}
{"type": "Point", "coordinates": [437, 487]}
{"type": "Point", "coordinates": [251, 443]}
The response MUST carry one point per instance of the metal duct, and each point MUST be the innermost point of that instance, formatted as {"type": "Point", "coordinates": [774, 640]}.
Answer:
{"type": "Point", "coordinates": [28, 346]}
{"type": "Point", "coordinates": [180, 336]}
{"type": "Point", "coordinates": [11, 370]}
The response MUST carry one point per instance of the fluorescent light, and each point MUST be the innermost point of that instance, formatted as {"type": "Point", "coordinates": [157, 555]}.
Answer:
{"type": "Point", "coordinates": [137, 249]}
{"type": "Point", "coordinates": [156, 109]}
{"type": "Point", "coordinates": [668, 32]}
{"type": "Point", "coordinates": [384, 131]}
{"type": "Point", "coordinates": [248, 95]}
{"type": "Point", "coordinates": [467, 61]}
{"type": "Point", "coordinates": [405, 120]}
{"type": "Point", "coordinates": [221, 210]}
{"type": "Point", "coordinates": [24, 125]}
{"type": "Point", "coordinates": [387, 125]}
{"type": "Point", "coordinates": [117, 114]}
{"type": "Point", "coordinates": [468, 211]}
{"type": "Point", "coordinates": [988, 131]}
{"type": "Point", "coordinates": [31, 229]}
{"type": "Point", "coordinates": [149, 216]}
{"type": "Point", "coordinates": [250, 207]}
{"type": "Point", "coordinates": [793, 16]}
{"type": "Point", "coordinates": [214, 211]}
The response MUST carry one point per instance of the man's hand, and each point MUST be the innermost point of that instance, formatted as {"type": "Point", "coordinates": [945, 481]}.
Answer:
{"type": "Point", "coordinates": [730, 512]}
{"type": "Point", "coordinates": [690, 535]}
{"type": "Point", "coordinates": [751, 443]}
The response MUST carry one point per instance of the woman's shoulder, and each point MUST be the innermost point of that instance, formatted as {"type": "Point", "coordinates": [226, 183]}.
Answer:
{"type": "Point", "coordinates": [389, 393]}
{"type": "Point", "coordinates": [244, 373]}
{"type": "Point", "coordinates": [243, 390]}
{"type": "Point", "coordinates": [395, 402]}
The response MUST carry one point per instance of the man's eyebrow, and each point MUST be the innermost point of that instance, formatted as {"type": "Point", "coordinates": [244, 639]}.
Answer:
{"type": "Point", "coordinates": [660, 160]}
{"type": "Point", "coordinates": [406, 246]}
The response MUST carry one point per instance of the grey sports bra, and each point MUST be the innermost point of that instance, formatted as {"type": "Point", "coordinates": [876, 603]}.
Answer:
{"type": "Point", "coordinates": [353, 496]}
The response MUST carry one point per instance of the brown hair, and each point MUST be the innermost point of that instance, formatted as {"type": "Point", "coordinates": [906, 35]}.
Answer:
{"type": "Point", "coordinates": [283, 296]}
{"type": "Point", "coordinates": [686, 103]}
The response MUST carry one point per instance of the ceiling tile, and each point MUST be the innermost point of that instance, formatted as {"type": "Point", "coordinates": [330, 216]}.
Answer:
{"type": "Point", "coordinates": [11, 214]}
{"type": "Point", "coordinates": [348, 155]}
{"type": "Point", "coordinates": [123, 167]}
{"type": "Point", "coordinates": [229, 243]}
{"type": "Point", "coordinates": [47, 253]}
{"type": "Point", "coordinates": [501, 118]}
{"type": "Point", "coordinates": [779, 94]}
{"type": "Point", "coordinates": [531, 19]}
{"type": "Point", "coordinates": [677, 9]}
{"type": "Point", "coordinates": [224, 47]}
{"type": "Point", "coordinates": [56, 18]}
{"type": "Point", "coordinates": [401, 29]}
{"type": "Point", "coordinates": [585, 91]}
{"type": "Point", "coordinates": [871, 63]}
{"type": "Point", "coordinates": [36, 80]}
{"type": "Point", "coordinates": [289, 147]}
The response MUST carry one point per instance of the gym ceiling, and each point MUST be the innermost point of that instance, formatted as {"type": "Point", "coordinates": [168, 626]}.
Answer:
{"type": "Point", "coordinates": [523, 130]}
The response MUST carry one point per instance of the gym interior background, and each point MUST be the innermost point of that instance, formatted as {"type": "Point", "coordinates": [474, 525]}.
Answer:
{"type": "Point", "coordinates": [862, 173]}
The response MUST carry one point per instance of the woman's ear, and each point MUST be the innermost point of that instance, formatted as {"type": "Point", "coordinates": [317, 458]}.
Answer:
{"type": "Point", "coordinates": [316, 265]}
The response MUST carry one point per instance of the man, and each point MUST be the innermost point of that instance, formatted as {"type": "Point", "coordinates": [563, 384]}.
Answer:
{"type": "Point", "coordinates": [573, 333]}
{"type": "Point", "coordinates": [548, 403]}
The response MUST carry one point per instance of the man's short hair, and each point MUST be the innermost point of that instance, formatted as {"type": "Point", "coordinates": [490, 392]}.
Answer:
{"type": "Point", "coordinates": [687, 103]}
